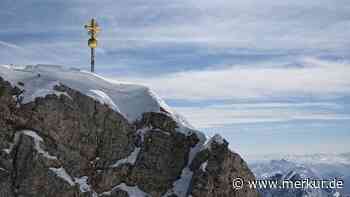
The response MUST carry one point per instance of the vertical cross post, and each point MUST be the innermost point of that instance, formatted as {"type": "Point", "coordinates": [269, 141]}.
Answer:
{"type": "Point", "coordinates": [92, 60]}
{"type": "Point", "coordinates": [92, 28]}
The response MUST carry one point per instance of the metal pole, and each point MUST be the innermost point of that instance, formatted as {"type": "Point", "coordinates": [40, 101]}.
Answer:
{"type": "Point", "coordinates": [92, 60]}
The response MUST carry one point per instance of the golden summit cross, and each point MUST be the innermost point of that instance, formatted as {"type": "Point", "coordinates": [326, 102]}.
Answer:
{"type": "Point", "coordinates": [93, 29]}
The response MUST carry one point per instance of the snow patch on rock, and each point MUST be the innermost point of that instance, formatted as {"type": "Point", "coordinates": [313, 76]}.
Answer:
{"type": "Point", "coordinates": [182, 185]}
{"type": "Point", "coordinates": [134, 191]}
{"type": "Point", "coordinates": [3, 169]}
{"type": "Point", "coordinates": [142, 132]}
{"type": "Point", "coordinates": [37, 143]}
{"type": "Point", "coordinates": [131, 159]}
{"type": "Point", "coordinates": [83, 184]}
{"type": "Point", "coordinates": [15, 142]}
{"type": "Point", "coordinates": [104, 99]}
{"type": "Point", "coordinates": [30, 95]}
{"type": "Point", "coordinates": [62, 173]}
{"type": "Point", "coordinates": [82, 181]}
{"type": "Point", "coordinates": [203, 166]}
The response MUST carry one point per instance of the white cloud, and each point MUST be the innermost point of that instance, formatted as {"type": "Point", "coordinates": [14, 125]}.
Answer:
{"type": "Point", "coordinates": [213, 27]}
{"type": "Point", "coordinates": [10, 45]}
{"type": "Point", "coordinates": [252, 24]}
{"type": "Point", "coordinates": [315, 79]}
{"type": "Point", "coordinates": [215, 116]}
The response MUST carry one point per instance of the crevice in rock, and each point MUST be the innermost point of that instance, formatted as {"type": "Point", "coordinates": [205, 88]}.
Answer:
{"type": "Point", "coordinates": [14, 172]}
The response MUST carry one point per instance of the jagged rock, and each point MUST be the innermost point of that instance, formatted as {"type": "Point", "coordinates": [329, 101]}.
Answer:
{"type": "Point", "coordinates": [71, 145]}
{"type": "Point", "coordinates": [214, 170]}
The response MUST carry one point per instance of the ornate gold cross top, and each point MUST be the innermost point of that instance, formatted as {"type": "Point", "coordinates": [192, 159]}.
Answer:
{"type": "Point", "coordinates": [92, 28]}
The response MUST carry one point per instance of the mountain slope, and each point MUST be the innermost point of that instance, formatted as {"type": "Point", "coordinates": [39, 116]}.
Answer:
{"type": "Point", "coordinates": [65, 132]}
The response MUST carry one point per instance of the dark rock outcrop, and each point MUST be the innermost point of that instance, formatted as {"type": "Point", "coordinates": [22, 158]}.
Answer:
{"type": "Point", "coordinates": [214, 170]}
{"type": "Point", "coordinates": [71, 146]}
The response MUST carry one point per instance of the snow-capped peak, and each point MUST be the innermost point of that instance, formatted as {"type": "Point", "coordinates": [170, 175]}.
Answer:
{"type": "Point", "coordinates": [130, 100]}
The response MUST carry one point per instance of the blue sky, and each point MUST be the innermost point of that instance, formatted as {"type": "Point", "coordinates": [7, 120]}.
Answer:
{"type": "Point", "coordinates": [271, 76]}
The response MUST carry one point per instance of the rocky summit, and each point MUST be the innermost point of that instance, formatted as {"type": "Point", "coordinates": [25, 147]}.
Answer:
{"type": "Point", "coordinates": [69, 133]}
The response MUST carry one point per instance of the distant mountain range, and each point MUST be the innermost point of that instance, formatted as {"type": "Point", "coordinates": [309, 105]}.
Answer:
{"type": "Point", "coordinates": [300, 167]}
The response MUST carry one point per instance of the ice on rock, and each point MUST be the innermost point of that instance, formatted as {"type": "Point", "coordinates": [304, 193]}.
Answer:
{"type": "Point", "coordinates": [83, 184]}
{"type": "Point", "coordinates": [203, 166]}
{"type": "Point", "coordinates": [131, 159]}
{"type": "Point", "coordinates": [103, 98]}
{"type": "Point", "coordinates": [134, 191]}
{"type": "Point", "coordinates": [82, 181]}
{"type": "Point", "coordinates": [61, 172]}
{"type": "Point", "coordinates": [37, 143]}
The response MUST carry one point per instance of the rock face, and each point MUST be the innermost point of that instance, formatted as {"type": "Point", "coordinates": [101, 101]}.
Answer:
{"type": "Point", "coordinates": [71, 145]}
{"type": "Point", "coordinates": [220, 167]}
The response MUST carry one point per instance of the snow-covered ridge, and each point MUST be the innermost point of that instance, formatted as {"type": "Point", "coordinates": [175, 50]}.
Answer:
{"type": "Point", "coordinates": [38, 81]}
{"type": "Point", "coordinates": [130, 100]}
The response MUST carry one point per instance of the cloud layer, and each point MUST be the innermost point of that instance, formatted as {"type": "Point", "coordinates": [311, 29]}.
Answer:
{"type": "Point", "coordinates": [157, 37]}
{"type": "Point", "coordinates": [226, 115]}
{"type": "Point", "coordinates": [214, 98]}
{"type": "Point", "coordinates": [314, 78]}
{"type": "Point", "coordinates": [256, 65]}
